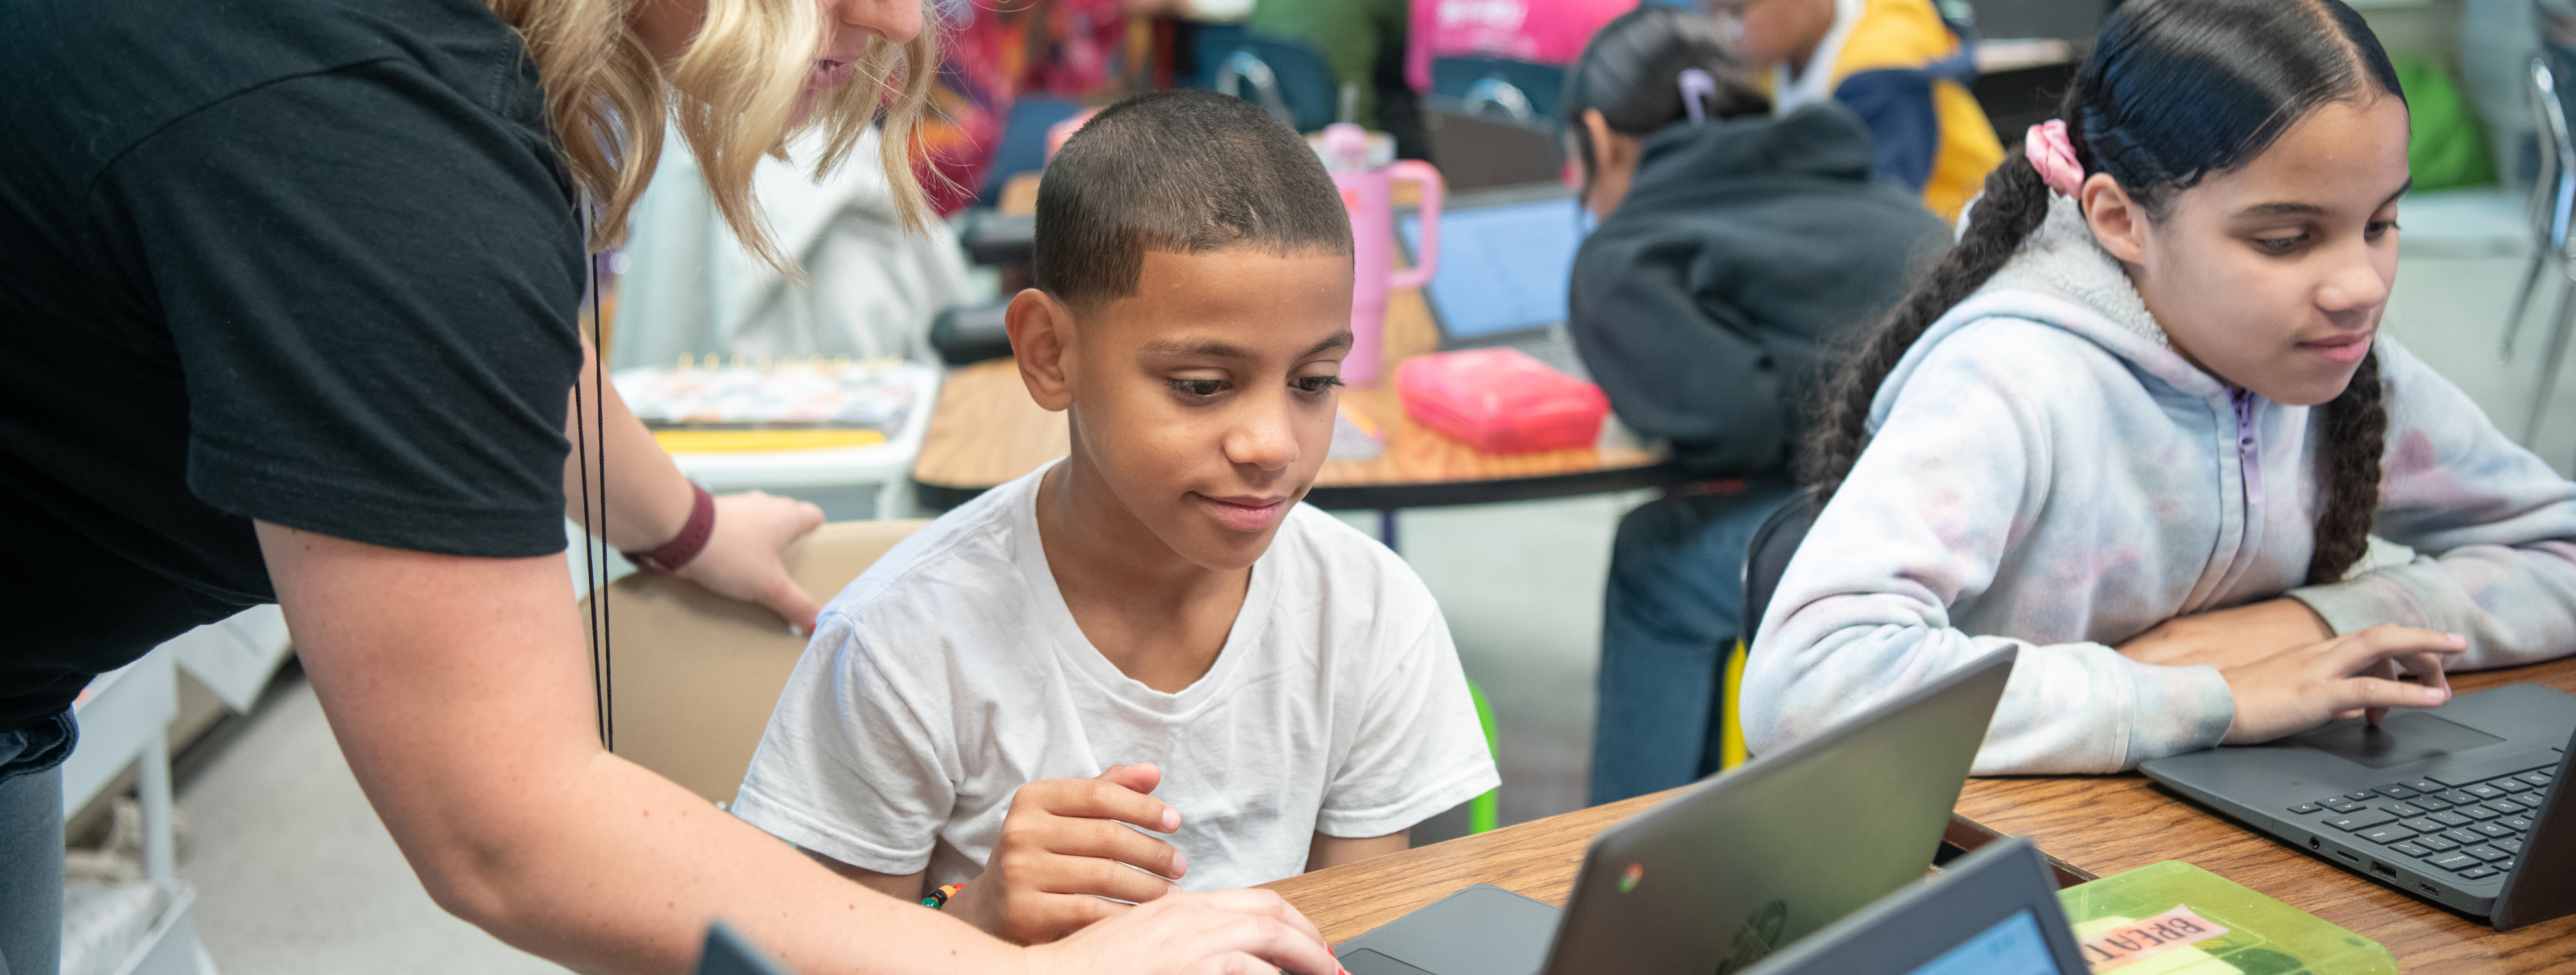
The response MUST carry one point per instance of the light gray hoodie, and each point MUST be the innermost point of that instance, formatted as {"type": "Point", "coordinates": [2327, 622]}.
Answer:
{"type": "Point", "coordinates": [2046, 471]}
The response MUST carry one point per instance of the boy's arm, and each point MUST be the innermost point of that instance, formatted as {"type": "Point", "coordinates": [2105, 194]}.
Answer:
{"type": "Point", "coordinates": [1333, 851]}
{"type": "Point", "coordinates": [901, 887]}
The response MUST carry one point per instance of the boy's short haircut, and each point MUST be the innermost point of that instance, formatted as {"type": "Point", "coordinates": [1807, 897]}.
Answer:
{"type": "Point", "coordinates": [1184, 172]}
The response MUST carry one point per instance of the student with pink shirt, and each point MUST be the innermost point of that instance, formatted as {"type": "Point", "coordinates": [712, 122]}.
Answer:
{"type": "Point", "coordinates": [1539, 31]}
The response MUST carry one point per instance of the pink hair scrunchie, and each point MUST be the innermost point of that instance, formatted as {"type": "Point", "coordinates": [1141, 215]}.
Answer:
{"type": "Point", "coordinates": [2054, 157]}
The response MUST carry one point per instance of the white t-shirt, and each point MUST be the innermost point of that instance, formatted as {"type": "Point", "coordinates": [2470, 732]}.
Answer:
{"type": "Point", "coordinates": [951, 673]}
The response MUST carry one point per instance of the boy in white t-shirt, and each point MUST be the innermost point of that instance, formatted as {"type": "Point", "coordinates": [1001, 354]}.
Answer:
{"type": "Point", "coordinates": [1152, 632]}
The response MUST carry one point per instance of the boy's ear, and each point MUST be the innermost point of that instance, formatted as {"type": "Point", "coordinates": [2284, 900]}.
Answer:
{"type": "Point", "coordinates": [2117, 221]}
{"type": "Point", "coordinates": [1041, 329]}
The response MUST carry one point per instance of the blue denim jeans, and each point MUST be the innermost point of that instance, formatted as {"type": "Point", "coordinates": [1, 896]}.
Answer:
{"type": "Point", "coordinates": [1675, 598]}
{"type": "Point", "coordinates": [31, 845]}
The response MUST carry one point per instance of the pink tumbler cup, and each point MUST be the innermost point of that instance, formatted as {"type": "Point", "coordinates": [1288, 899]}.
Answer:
{"type": "Point", "coordinates": [1365, 192]}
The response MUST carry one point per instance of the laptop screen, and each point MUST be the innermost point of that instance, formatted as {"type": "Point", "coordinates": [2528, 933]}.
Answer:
{"type": "Point", "coordinates": [1503, 268]}
{"type": "Point", "coordinates": [2013, 946]}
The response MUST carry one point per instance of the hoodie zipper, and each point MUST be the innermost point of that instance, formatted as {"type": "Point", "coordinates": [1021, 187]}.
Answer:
{"type": "Point", "coordinates": [2247, 456]}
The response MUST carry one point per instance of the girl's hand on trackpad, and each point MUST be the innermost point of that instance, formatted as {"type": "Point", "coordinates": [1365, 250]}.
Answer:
{"type": "Point", "coordinates": [2303, 687]}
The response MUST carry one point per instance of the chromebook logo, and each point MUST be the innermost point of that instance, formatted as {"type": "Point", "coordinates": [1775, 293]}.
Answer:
{"type": "Point", "coordinates": [1628, 878]}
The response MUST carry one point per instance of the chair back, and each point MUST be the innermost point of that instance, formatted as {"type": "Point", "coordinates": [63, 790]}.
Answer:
{"type": "Point", "coordinates": [1768, 557]}
{"type": "Point", "coordinates": [694, 675]}
{"type": "Point", "coordinates": [1529, 92]}
{"type": "Point", "coordinates": [1287, 78]}
{"type": "Point", "coordinates": [1764, 562]}
{"type": "Point", "coordinates": [2553, 196]}
{"type": "Point", "coordinates": [1493, 122]}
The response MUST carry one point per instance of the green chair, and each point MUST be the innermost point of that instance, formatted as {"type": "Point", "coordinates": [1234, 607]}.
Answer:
{"type": "Point", "coordinates": [1485, 812]}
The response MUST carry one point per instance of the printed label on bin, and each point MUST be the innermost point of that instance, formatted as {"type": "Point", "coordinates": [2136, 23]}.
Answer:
{"type": "Point", "coordinates": [2119, 943]}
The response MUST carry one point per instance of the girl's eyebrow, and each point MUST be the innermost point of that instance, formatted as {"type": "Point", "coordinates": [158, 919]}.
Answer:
{"type": "Point", "coordinates": [2282, 210]}
{"type": "Point", "coordinates": [2310, 209]}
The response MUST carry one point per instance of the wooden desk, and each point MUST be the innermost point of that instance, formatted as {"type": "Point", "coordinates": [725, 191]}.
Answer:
{"type": "Point", "coordinates": [985, 431]}
{"type": "Point", "coordinates": [1537, 859]}
{"type": "Point", "coordinates": [2093, 825]}
{"type": "Point", "coordinates": [2107, 824]}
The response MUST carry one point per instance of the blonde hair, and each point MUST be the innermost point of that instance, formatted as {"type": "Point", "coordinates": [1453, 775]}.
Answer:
{"type": "Point", "coordinates": [730, 95]}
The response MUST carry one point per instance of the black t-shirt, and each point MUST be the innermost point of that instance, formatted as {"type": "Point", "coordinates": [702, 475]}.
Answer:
{"type": "Point", "coordinates": [310, 262]}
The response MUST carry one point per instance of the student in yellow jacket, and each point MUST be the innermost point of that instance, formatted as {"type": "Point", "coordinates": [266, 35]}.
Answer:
{"type": "Point", "coordinates": [1897, 64]}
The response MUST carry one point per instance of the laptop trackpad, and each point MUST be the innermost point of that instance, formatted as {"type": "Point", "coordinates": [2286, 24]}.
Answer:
{"type": "Point", "coordinates": [1366, 962]}
{"type": "Point", "coordinates": [2410, 736]}
{"type": "Point", "coordinates": [1482, 930]}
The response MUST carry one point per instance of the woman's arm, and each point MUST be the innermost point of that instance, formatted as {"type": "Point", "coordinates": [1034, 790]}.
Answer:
{"type": "Point", "coordinates": [907, 887]}
{"type": "Point", "coordinates": [648, 501]}
{"type": "Point", "coordinates": [458, 692]}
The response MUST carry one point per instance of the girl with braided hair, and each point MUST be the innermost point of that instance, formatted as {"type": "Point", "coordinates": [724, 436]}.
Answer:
{"type": "Point", "coordinates": [2141, 422]}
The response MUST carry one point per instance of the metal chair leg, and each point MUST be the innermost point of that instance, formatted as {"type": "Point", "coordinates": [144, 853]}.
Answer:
{"type": "Point", "coordinates": [2551, 359]}
{"type": "Point", "coordinates": [2521, 304]}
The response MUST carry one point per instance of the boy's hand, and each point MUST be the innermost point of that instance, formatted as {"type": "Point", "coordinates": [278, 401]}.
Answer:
{"type": "Point", "coordinates": [2303, 687]}
{"type": "Point", "coordinates": [1063, 849]}
{"type": "Point", "coordinates": [2229, 637]}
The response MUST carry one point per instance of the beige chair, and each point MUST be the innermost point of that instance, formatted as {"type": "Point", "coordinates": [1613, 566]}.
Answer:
{"type": "Point", "coordinates": [695, 675]}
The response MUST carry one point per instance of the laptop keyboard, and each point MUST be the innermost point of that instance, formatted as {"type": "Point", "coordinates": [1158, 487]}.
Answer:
{"type": "Point", "coordinates": [2473, 829]}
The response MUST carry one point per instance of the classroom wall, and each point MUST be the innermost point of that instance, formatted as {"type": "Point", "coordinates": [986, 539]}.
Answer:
{"type": "Point", "coordinates": [2422, 28]}
{"type": "Point", "coordinates": [2074, 20]}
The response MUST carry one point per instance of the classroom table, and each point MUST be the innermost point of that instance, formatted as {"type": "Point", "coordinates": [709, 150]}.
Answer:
{"type": "Point", "coordinates": [986, 431]}
{"type": "Point", "coordinates": [2089, 825]}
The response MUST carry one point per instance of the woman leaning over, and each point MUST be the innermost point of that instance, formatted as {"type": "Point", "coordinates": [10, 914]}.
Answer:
{"type": "Point", "coordinates": [287, 312]}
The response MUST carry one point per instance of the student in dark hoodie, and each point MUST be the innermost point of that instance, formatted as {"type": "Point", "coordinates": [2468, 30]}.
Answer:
{"type": "Point", "coordinates": [1733, 247]}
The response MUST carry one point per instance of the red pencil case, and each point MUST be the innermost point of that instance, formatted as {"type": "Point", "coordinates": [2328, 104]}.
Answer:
{"type": "Point", "coordinates": [1501, 401]}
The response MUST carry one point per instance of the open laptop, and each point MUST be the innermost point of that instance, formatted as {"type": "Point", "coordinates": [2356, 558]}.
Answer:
{"type": "Point", "coordinates": [2454, 804]}
{"type": "Point", "coordinates": [1992, 912]}
{"type": "Point", "coordinates": [1719, 877]}
{"type": "Point", "coordinates": [1506, 266]}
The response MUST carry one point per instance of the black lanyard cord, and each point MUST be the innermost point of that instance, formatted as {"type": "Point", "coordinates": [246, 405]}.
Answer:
{"type": "Point", "coordinates": [594, 561]}
{"type": "Point", "coordinates": [599, 389]}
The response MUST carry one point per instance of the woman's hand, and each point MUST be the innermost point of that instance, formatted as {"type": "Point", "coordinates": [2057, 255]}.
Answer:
{"type": "Point", "coordinates": [2303, 687]}
{"type": "Point", "coordinates": [1228, 932]}
{"type": "Point", "coordinates": [741, 557]}
{"type": "Point", "coordinates": [646, 502]}
{"type": "Point", "coordinates": [1065, 847]}
{"type": "Point", "coordinates": [2229, 637]}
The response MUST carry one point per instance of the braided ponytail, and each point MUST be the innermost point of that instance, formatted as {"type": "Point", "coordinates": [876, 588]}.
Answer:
{"type": "Point", "coordinates": [2356, 432]}
{"type": "Point", "coordinates": [2014, 204]}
